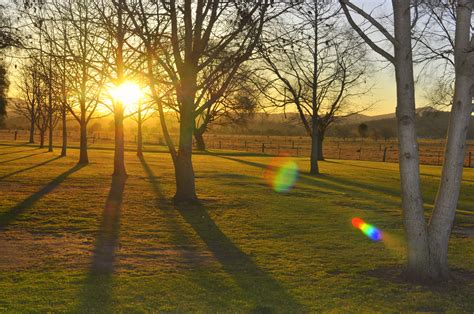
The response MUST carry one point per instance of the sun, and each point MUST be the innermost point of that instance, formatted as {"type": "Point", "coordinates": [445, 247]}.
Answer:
{"type": "Point", "coordinates": [128, 93]}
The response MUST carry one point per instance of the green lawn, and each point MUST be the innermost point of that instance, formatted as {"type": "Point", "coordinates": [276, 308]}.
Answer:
{"type": "Point", "coordinates": [71, 239]}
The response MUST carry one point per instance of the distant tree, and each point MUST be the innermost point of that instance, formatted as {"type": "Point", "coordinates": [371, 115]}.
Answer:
{"type": "Point", "coordinates": [235, 106]}
{"type": "Point", "coordinates": [317, 65]}
{"type": "Point", "coordinates": [363, 130]}
{"type": "Point", "coordinates": [4, 83]}
{"type": "Point", "coordinates": [387, 133]}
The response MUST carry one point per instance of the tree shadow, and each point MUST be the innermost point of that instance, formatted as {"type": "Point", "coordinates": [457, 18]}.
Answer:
{"type": "Point", "coordinates": [22, 157]}
{"type": "Point", "coordinates": [256, 284]}
{"type": "Point", "coordinates": [96, 293]}
{"type": "Point", "coordinates": [18, 151]}
{"type": "Point", "coordinates": [29, 168]}
{"type": "Point", "coordinates": [9, 216]}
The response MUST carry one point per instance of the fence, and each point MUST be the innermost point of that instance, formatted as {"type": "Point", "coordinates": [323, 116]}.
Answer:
{"type": "Point", "coordinates": [431, 151]}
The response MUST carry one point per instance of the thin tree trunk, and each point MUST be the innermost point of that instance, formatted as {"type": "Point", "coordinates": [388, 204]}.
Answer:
{"type": "Point", "coordinates": [314, 165]}
{"type": "Point", "coordinates": [32, 131]}
{"type": "Point", "coordinates": [200, 144]}
{"type": "Point", "coordinates": [450, 184]}
{"type": "Point", "coordinates": [83, 155]}
{"type": "Point", "coordinates": [185, 185]}
{"type": "Point", "coordinates": [50, 131]}
{"type": "Point", "coordinates": [119, 158]}
{"type": "Point", "coordinates": [139, 135]}
{"type": "Point", "coordinates": [412, 201]}
{"type": "Point", "coordinates": [41, 138]}
{"type": "Point", "coordinates": [64, 127]}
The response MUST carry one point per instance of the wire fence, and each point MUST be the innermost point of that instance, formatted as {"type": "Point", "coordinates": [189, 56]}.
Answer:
{"type": "Point", "coordinates": [431, 150]}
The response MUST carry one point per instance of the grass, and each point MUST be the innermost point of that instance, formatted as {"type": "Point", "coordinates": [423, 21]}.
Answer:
{"type": "Point", "coordinates": [73, 239]}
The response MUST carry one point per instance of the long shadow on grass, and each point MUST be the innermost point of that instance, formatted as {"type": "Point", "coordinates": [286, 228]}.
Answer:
{"type": "Point", "coordinates": [22, 157]}
{"type": "Point", "coordinates": [335, 184]}
{"type": "Point", "coordinates": [256, 284]}
{"type": "Point", "coordinates": [96, 294]}
{"type": "Point", "coordinates": [29, 168]}
{"type": "Point", "coordinates": [18, 151]}
{"type": "Point", "coordinates": [9, 216]}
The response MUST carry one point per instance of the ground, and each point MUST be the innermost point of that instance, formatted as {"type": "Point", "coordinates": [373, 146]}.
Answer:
{"type": "Point", "coordinates": [73, 239]}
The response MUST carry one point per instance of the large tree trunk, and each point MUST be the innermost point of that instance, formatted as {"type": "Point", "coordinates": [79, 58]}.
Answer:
{"type": "Point", "coordinates": [314, 166]}
{"type": "Point", "coordinates": [83, 155]}
{"type": "Point", "coordinates": [32, 131]}
{"type": "Point", "coordinates": [119, 158]}
{"type": "Point", "coordinates": [450, 184]}
{"type": "Point", "coordinates": [139, 135]}
{"type": "Point", "coordinates": [185, 185]}
{"type": "Point", "coordinates": [64, 129]}
{"type": "Point", "coordinates": [200, 144]}
{"type": "Point", "coordinates": [412, 201]}
{"type": "Point", "coordinates": [320, 145]}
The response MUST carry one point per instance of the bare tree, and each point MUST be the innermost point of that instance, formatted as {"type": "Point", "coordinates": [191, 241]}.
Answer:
{"type": "Point", "coordinates": [427, 242]}
{"type": "Point", "coordinates": [234, 27]}
{"type": "Point", "coordinates": [317, 67]}
{"type": "Point", "coordinates": [28, 106]}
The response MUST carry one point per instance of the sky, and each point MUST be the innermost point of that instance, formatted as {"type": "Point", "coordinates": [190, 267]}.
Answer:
{"type": "Point", "coordinates": [382, 78]}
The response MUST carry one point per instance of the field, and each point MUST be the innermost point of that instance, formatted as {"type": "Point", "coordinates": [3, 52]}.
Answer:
{"type": "Point", "coordinates": [431, 150]}
{"type": "Point", "coordinates": [73, 239]}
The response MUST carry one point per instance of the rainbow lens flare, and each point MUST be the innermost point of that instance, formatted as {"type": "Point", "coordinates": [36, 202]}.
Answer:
{"type": "Point", "coordinates": [370, 231]}
{"type": "Point", "coordinates": [281, 174]}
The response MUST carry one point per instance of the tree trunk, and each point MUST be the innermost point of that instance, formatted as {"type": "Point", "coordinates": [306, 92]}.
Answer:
{"type": "Point", "coordinates": [450, 184]}
{"type": "Point", "coordinates": [412, 202]}
{"type": "Point", "coordinates": [119, 158]}
{"type": "Point", "coordinates": [320, 145]}
{"type": "Point", "coordinates": [64, 127]}
{"type": "Point", "coordinates": [314, 166]}
{"type": "Point", "coordinates": [200, 144]}
{"type": "Point", "coordinates": [50, 130]}
{"type": "Point", "coordinates": [139, 135]}
{"type": "Point", "coordinates": [41, 138]}
{"type": "Point", "coordinates": [83, 156]}
{"type": "Point", "coordinates": [185, 185]}
{"type": "Point", "coordinates": [32, 131]}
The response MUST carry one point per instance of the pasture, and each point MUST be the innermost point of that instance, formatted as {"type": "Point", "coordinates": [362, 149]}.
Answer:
{"type": "Point", "coordinates": [74, 239]}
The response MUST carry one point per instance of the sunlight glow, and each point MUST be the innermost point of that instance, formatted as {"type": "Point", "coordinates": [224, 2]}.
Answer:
{"type": "Point", "coordinates": [127, 93]}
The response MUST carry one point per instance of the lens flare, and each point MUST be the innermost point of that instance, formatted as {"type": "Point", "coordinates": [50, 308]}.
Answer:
{"type": "Point", "coordinates": [281, 174]}
{"type": "Point", "coordinates": [370, 231]}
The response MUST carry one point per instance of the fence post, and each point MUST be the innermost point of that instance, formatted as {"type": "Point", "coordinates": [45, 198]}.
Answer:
{"type": "Point", "coordinates": [339, 155]}
{"type": "Point", "coordinates": [470, 159]}
{"type": "Point", "coordinates": [297, 151]}
{"type": "Point", "coordinates": [360, 153]}
{"type": "Point", "coordinates": [293, 144]}
{"type": "Point", "coordinates": [263, 148]}
{"type": "Point", "coordinates": [16, 134]}
{"type": "Point", "coordinates": [245, 145]}
{"type": "Point", "coordinates": [384, 154]}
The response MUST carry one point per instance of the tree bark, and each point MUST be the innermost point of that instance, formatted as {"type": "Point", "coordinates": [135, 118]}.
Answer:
{"type": "Point", "coordinates": [320, 145]}
{"type": "Point", "coordinates": [41, 139]}
{"type": "Point", "coordinates": [314, 166]}
{"type": "Point", "coordinates": [32, 131]}
{"type": "Point", "coordinates": [139, 135]}
{"type": "Point", "coordinates": [412, 201]}
{"type": "Point", "coordinates": [64, 129]}
{"type": "Point", "coordinates": [83, 155]}
{"type": "Point", "coordinates": [450, 184]}
{"type": "Point", "coordinates": [119, 158]}
{"type": "Point", "coordinates": [50, 131]}
{"type": "Point", "coordinates": [200, 144]}
{"type": "Point", "coordinates": [185, 185]}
